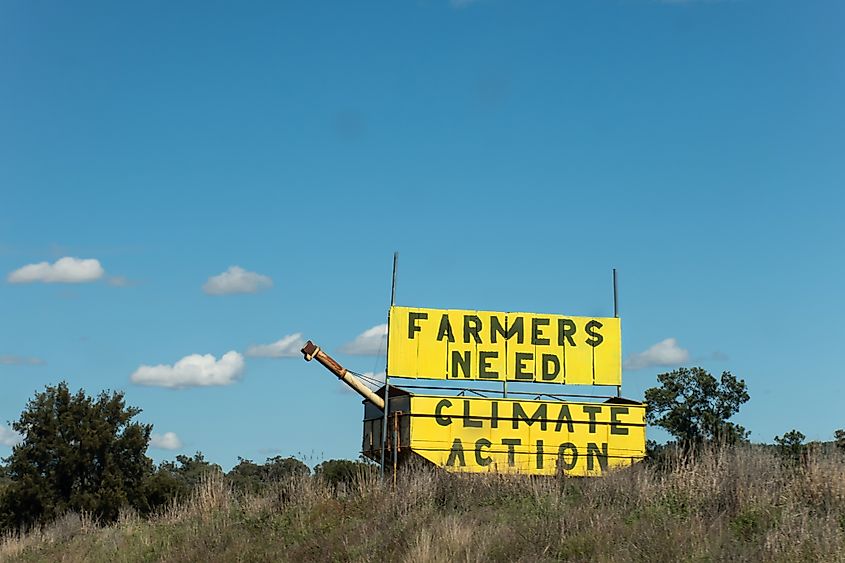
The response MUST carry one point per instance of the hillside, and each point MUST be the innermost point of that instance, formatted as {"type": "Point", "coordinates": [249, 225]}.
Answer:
{"type": "Point", "coordinates": [738, 505]}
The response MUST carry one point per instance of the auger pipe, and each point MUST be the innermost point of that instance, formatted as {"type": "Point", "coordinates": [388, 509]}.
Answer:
{"type": "Point", "coordinates": [312, 351]}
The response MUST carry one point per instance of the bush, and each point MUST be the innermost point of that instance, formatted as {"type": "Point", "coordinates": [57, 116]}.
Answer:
{"type": "Point", "coordinates": [77, 453]}
{"type": "Point", "coordinates": [343, 471]}
{"type": "Point", "coordinates": [250, 477]}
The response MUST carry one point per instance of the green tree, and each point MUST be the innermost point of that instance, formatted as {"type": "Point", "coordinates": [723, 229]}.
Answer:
{"type": "Point", "coordinates": [246, 476]}
{"type": "Point", "coordinates": [839, 436]}
{"type": "Point", "coordinates": [278, 468]}
{"type": "Point", "coordinates": [790, 446]}
{"type": "Point", "coordinates": [337, 471]}
{"type": "Point", "coordinates": [190, 471]}
{"type": "Point", "coordinates": [77, 453]}
{"type": "Point", "coordinates": [249, 476]}
{"type": "Point", "coordinates": [174, 481]}
{"type": "Point", "coordinates": [694, 406]}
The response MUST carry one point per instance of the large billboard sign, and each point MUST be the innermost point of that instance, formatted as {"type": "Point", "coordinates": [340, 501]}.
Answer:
{"type": "Point", "coordinates": [531, 437]}
{"type": "Point", "coordinates": [493, 346]}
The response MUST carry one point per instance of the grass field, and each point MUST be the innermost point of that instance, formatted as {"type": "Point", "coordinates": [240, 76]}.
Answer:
{"type": "Point", "coordinates": [735, 505]}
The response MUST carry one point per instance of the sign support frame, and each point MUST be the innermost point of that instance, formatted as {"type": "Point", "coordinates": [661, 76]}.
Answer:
{"type": "Point", "coordinates": [386, 376]}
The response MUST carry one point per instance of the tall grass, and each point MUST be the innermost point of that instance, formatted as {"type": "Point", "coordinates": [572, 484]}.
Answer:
{"type": "Point", "coordinates": [740, 504]}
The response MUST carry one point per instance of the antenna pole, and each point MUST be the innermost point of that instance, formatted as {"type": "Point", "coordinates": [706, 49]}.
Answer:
{"type": "Point", "coordinates": [386, 376]}
{"type": "Point", "coordinates": [615, 296]}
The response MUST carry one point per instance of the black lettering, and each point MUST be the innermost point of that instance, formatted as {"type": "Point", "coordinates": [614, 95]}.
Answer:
{"type": "Point", "coordinates": [445, 329]}
{"type": "Point", "coordinates": [594, 453]}
{"type": "Point", "coordinates": [510, 443]}
{"type": "Point", "coordinates": [562, 416]}
{"type": "Point", "coordinates": [595, 338]}
{"type": "Point", "coordinates": [551, 367]}
{"type": "Point", "coordinates": [460, 359]}
{"type": "Point", "coordinates": [615, 428]}
{"type": "Point", "coordinates": [472, 325]}
{"type": "Point", "coordinates": [413, 317]}
{"type": "Point", "coordinates": [541, 414]}
{"type": "Point", "coordinates": [494, 414]}
{"type": "Point", "coordinates": [521, 358]}
{"type": "Point", "coordinates": [565, 330]}
{"type": "Point", "coordinates": [592, 411]}
{"type": "Point", "coordinates": [470, 422]}
{"type": "Point", "coordinates": [539, 454]}
{"type": "Point", "coordinates": [515, 329]}
{"type": "Point", "coordinates": [479, 459]}
{"type": "Point", "coordinates": [438, 412]}
{"type": "Point", "coordinates": [536, 333]}
{"type": "Point", "coordinates": [484, 365]}
{"type": "Point", "coordinates": [562, 464]}
{"type": "Point", "coordinates": [456, 454]}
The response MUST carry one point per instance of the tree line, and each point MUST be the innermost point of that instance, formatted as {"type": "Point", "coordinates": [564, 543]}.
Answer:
{"type": "Point", "coordinates": [87, 454]}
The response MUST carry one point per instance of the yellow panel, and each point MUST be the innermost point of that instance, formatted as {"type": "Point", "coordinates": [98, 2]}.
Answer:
{"type": "Point", "coordinates": [477, 345]}
{"type": "Point", "coordinates": [519, 349]}
{"type": "Point", "coordinates": [461, 361]}
{"type": "Point", "coordinates": [431, 352]}
{"type": "Point", "coordinates": [533, 437]}
{"type": "Point", "coordinates": [608, 359]}
{"type": "Point", "coordinates": [544, 332]}
{"type": "Point", "coordinates": [402, 354]}
{"type": "Point", "coordinates": [578, 355]}
{"type": "Point", "coordinates": [491, 355]}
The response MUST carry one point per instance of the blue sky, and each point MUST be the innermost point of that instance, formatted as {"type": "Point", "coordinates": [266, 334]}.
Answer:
{"type": "Point", "coordinates": [513, 152]}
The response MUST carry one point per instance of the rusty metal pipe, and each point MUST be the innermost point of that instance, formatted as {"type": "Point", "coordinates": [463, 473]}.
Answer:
{"type": "Point", "coordinates": [312, 351]}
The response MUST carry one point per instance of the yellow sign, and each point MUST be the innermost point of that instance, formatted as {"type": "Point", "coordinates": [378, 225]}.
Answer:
{"type": "Point", "coordinates": [531, 437]}
{"type": "Point", "coordinates": [482, 345]}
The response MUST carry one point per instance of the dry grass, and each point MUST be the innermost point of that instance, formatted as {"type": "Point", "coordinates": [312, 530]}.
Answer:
{"type": "Point", "coordinates": [733, 505]}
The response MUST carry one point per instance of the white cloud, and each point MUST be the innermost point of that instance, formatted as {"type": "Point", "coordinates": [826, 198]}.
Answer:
{"type": "Point", "coordinates": [192, 371]}
{"type": "Point", "coordinates": [63, 270]}
{"type": "Point", "coordinates": [371, 342]}
{"type": "Point", "coordinates": [119, 281]}
{"type": "Point", "coordinates": [236, 280]}
{"type": "Point", "coordinates": [664, 353]}
{"type": "Point", "coordinates": [166, 441]}
{"type": "Point", "coordinates": [21, 361]}
{"type": "Point", "coordinates": [288, 347]}
{"type": "Point", "coordinates": [8, 437]}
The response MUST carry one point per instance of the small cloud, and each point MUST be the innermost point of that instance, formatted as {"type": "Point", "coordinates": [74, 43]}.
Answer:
{"type": "Point", "coordinates": [63, 270]}
{"type": "Point", "coordinates": [192, 371]}
{"type": "Point", "coordinates": [119, 281]}
{"type": "Point", "coordinates": [288, 347]}
{"type": "Point", "coordinates": [236, 280]}
{"type": "Point", "coordinates": [21, 361]}
{"type": "Point", "coordinates": [166, 441]}
{"type": "Point", "coordinates": [9, 437]}
{"type": "Point", "coordinates": [371, 342]}
{"type": "Point", "coordinates": [664, 353]}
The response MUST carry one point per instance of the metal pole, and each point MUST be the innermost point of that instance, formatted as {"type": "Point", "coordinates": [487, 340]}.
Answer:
{"type": "Point", "coordinates": [616, 315]}
{"type": "Point", "coordinates": [386, 376]}
{"type": "Point", "coordinates": [395, 445]}
{"type": "Point", "coordinates": [615, 296]}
